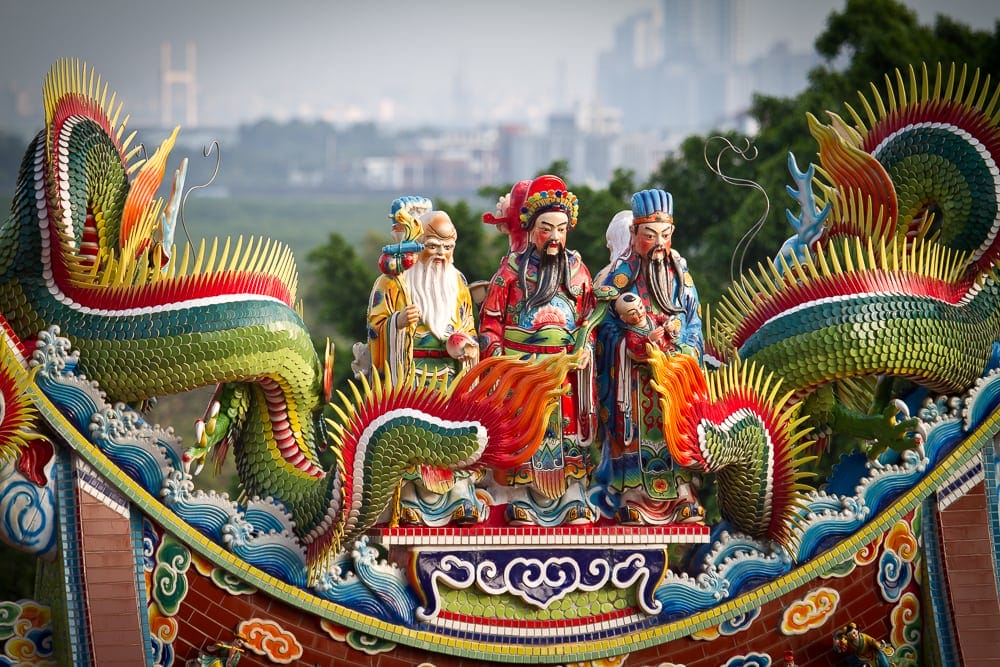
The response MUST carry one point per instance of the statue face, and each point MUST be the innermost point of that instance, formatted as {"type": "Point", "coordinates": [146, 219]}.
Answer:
{"type": "Point", "coordinates": [437, 250]}
{"type": "Point", "coordinates": [652, 237]}
{"type": "Point", "coordinates": [548, 234]}
{"type": "Point", "coordinates": [631, 311]}
{"type": "Point", "coordinates": [439, 239]}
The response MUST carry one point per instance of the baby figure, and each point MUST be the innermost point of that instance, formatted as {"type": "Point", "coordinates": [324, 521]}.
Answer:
{"type": "Point", "coordinates": [642, 327]}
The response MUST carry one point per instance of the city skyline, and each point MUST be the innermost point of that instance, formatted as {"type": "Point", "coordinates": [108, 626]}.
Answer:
{"type": "Point", "coordinates": [403, 64]}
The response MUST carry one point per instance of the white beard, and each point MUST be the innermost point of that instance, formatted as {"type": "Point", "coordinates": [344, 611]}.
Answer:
{"type": "Point", "coordinates": [434, 289]}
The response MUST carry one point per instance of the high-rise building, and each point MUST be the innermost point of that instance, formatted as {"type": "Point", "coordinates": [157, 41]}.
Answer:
{"type": "Point", "coordinates": [676, 68]}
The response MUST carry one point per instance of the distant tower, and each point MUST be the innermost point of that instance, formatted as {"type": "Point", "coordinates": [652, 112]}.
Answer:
{"type": "Point", "coordinates": [170, 77]}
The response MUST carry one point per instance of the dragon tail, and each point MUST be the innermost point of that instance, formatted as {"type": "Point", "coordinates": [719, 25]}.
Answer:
{"type": "Point", "coordinates": [937, 137]}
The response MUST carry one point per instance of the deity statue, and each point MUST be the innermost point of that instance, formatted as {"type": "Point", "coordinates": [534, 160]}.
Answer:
{"type": "Point", "coordinates": [220, 654]}
{"type": "Point", "coordinates": [390, 325]}
{"type": "Point", "coordinates": [536, 302]}
{"type": "Point", "coordinates": [644, 483]}
{"type": "Point", "coordinates": [425, 317]}
{"type": "Point", "coordinates": [643, 328]}
{"type": "Point", "coordinates": [862, 650]}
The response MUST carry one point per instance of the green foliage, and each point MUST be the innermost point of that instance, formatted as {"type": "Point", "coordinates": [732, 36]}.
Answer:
{"type": "Point", "coordinates": [300, 223]}
{"type": "Point", "coordinates": [340, 294]}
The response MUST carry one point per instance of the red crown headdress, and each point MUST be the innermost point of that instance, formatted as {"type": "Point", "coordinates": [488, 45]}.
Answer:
{"type": "Point", "coordinates": [548, 193]}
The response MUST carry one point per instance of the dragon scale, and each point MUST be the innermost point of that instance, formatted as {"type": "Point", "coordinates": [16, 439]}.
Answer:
{"type": "Point", "coordinates": [840, 325]}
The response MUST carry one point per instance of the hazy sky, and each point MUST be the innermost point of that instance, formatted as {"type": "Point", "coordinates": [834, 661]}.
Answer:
{"type": "Point", "coordinates": [391, 59]}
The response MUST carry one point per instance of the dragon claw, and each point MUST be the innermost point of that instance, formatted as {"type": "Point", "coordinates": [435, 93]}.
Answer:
{"type": "Point", "coordinates": [896, 429]}
{"type": "Point", "coordinates": [204, 429]}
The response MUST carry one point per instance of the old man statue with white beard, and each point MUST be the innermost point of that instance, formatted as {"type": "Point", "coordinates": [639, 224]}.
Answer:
{"type": "Point", "coordinates": [425, 317]}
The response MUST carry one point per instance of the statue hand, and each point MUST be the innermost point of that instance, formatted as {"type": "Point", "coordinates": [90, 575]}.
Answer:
{"type": "Point", "coordinates": [463, 348]}
{"type": "Point", "coordinates": [470, 354]}
{"type": "Point", "coordinates": [673, 328]}
{"type": "Point", "coordinates": [408, 317]}
{"type": "Point", "coordinates": [584, 359]}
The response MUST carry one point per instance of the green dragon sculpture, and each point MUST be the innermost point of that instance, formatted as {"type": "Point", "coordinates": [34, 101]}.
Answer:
{"type": "Point", "coordinates": [900, 286]}
{"type": "Point", "coordinates": [77, 251]}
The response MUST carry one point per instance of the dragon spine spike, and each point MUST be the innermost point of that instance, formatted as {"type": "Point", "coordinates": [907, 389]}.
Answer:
{"type": "Point", "coordinates": [949, 84]}
{"type": "Point", "coordinates": [240, 256]}
{"type": "Point", "coordinates": [879, 104]}
{"type": "Point", "coordinates": [938, 79]}
{"type": "Point", "coordinates": [375, 388]}
{"type": "Point", "coordinates": [900, 88]}
{"type": "Point", "coordinates": [104, 94]}
{"type": "Point", "coordinates": [199, 259]}
{"type": "Point", "coordinates": [210, 261]}
{"type": "Point", "coordinates": [961, 84]}
{"type": "Point", "coordinates": [973, 88]}
{"type": "Point", "coordinates": [135, 166]}
{"type": "Point", "coordinates": [124, 123]}
{"type": "Point", "coordinates": [989, 108]}
{"type": "Point", "coordinates": [266, 258]}
{"type": "Point", "coordinates": [915, 91]}
{"type": "Point", "coordinates": [848, 260]}
{"type": "Point", "coordinates": [755, 277]}
{"type": "Point", "coordinates": [356, 393]}
{"type": "Point", "coordinates": [224, 257]}
{"type": "Point", "coordinates": [130, 151]}
{"type": "Point", "coordinates": [271, 261]}
{"type": "Point", "coordinates": [182, 269]}
{"type": "Point", "coordinates": [349, 409]}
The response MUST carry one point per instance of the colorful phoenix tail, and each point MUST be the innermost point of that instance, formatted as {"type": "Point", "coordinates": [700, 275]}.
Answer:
{"type": "Point", "coordinates": [732, 423]}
